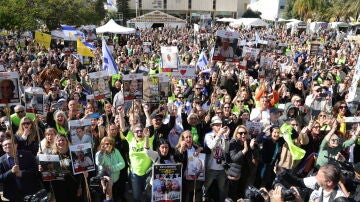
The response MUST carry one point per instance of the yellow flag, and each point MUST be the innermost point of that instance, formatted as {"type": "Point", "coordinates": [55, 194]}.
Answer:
{"type": "Point", "coordinates": [83, 50]}
{"type": "Point", "coordinates": [42, 38]}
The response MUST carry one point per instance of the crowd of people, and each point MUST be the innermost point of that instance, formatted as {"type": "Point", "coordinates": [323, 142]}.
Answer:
{"type": "Point", "coordinates": [263, 134]}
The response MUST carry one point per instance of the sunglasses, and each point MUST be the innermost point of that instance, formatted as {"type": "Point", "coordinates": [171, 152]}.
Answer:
{"type": "Point", "coordinates": [181, 97]}
{"type": "Point", "coordinates": [26, 123]}
{"type": "Point", "coordinates": [294, 124]}
{"type": "Point", "coordinates": [342, 107]}
{"type": "Point", "coordinates": [242, 133]}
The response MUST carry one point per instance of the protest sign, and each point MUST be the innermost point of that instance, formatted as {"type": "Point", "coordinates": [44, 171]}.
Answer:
{"type": "Point", "coordinates": [184, 72]}
{"type": "Point", "coordinates": [226, 46]}
{"type": "Point", "coordinates": [34, 100]}
{"type": "Point", "coordinates": [250, 54]}
{"type": "Point", "coordinates": [133, 86]}
{"type": "Point", "coordinates": [151, 89]}
{"type": "Point", "coordinates": [169, 58]}
{"type": "Point", "coordinates": [80, 131]}
{"type": "Point", "coordinates": [50, 167]}
{"type": "Point", "coordinates": [167, 183]}
{"type": "Point", "coordinates": [9, 88]}
{"type": "Point", "coordinates": [164, 86]}
{"type": "Point", "coordinates": [254, 127]}
{"type": "Point", "coordinates": [195, 167]}
{"type": "Point", "coordinates": [82, 158]}
{"type": "Point", "coordinates": [100, 85]}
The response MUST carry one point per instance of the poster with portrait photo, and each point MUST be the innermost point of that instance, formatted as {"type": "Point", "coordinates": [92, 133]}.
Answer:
{"type": "Point", "coordinates": [266, 62]}
{"type": "Point", "coordinates": [133, 86]}
{"type": "Point", "coordinates": [254, 127]}
{"type": "Point", "coordinates": [9, 88]}
{"type": "Point", "coordinates": [196, 167]}
{"type": "Point", "coordinates": [164, 86]}
{"type": "Point", "coordinates": [80, 131]}
{"type": "Point", "coordinates": [82, 158]}
{"type": "Point", "coordinates": [50, 167]}
{"type": "Point", "coordinates": [34, 100]}
{"type": "Point", "coordinates": [250, 54]}
{"type": "Point", "coordinates": [151, 89]}
{"type": "Point", "coordinates": [226, 46]}
{"type": "Point", "coordinates": [167, 183]}
{"type": "Point", "coordinates": [100, 85]}
{"type": "Point", "coordinates": [169, 58]}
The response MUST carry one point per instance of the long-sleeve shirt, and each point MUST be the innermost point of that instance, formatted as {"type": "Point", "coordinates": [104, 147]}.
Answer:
{"type": "Point", "coordinates": [326, 151]}
{"type": "Point", "coordinates": [112, 161]}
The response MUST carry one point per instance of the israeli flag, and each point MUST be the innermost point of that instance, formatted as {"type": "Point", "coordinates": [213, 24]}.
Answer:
{"type": "Point", "coordinates": [69, 31]}
{"type": "Point", "coordinates": [90, 45]}
{"type": "Point", "coordinates": [108, 61]}
{"type": "Point", "coordinates": [202, 61]}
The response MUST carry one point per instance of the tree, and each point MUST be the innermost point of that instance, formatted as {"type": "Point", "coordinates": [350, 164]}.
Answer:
{"type": "Point", "coordinates": [31, 14]}
{"type": "Point", "coordinates": [251, 14]}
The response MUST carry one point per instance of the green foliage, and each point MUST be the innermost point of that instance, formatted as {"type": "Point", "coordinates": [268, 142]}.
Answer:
{"type": "Point", "coordinates": [251, 14]}
{"type": "Point", "coordinates": [31, 14]}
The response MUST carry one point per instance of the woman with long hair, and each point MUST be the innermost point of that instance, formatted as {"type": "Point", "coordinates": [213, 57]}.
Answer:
{"type": "Point", "coordinates": [340, 111]}
{"type": "Point", "coordinates": [241, 156]}
{"type": "Point", "coordinates": [26, 136]}
{"type": "Point", "coordinates": [58, 120]}
{"type": "Point", "coordinates": [110, 162]}
{"type": "Point", "coordinates": [183, 149]}
{"type": "Point", "coordinates": [47, 144]}
{"type": "Point", "coordinates": [68, 189]}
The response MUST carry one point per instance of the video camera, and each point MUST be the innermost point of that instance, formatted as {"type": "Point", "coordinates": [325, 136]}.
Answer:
{"type": "Point", "coordinates": [95, 182]}
{"type": "Point", "coordinates": [40, 196]}
{"type": "Point", "coordinates": [346, 168]}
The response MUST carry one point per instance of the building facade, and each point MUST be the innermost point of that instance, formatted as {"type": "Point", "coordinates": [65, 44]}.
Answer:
{"type": "Point", "coordinates": [188, 9]}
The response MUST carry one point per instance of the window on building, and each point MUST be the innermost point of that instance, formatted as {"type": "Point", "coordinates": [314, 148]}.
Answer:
{"type": "Point", "coordinates": [282, 7]}
{"type": "Point", "coordinates": [189, 6]}
{"type": "Point", "coordinates": [140, 4]}
{"type": "Point", "coordinates": [214, 4]}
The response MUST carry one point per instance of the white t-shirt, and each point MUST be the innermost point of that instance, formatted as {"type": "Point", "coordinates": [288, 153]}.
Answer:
{"type": "Point", "coordinates": [310, 182]}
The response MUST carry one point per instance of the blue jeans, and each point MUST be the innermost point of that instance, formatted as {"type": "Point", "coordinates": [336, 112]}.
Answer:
{"type": "Point", "coordinates": [220, 177]}
{"type": "Point", "coordinates": [138, 186]}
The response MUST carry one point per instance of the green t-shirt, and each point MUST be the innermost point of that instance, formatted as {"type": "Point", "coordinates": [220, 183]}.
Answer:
{"type": "Point", "coordinates": [139, 160]}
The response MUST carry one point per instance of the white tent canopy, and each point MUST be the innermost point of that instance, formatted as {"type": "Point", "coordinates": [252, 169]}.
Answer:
{"type": "Point", "coordinates": [157, 17]}
{"type": "Point", "coordinates": [113, 27]}
{"type": "Point", "coordinates": [314, 27]}
{"type": "Point", "coordinates": [226, 20]}
{"type": "Point", "coordinates": [335, 25]}
{"type": "Point", "coordinates": [249, 22]}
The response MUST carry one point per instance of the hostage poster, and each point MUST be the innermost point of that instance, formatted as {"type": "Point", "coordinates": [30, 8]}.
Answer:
{"type": "Point", "coordinates": [167, 183]}
{"type": "Point", "coordinates": [34, 100]}
{"type": "Point", "coordinates": [50, 167]}
{"type": "Point", "coordinates": [100, 85]}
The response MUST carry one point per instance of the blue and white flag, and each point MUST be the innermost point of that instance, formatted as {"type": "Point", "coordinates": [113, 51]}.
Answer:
{"type": "Point", "coordinates": [69, 32]}
{"type": "Point", "coordinates": [257, 38]}
{"type": "Point", "coordinates": [108, 61]}
{"type": "Point", "coordinates": [202, 61]}
{"type": "Point", "coordinates": [90, 45]}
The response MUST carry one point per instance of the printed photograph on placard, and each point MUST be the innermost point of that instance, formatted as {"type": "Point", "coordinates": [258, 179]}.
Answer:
{"type": "Point", "coordinates": [80, 131]}
{"type": "Point", "coordinates": [151, 89]}
{"type": "Point", "coordinates": [133, 86]}
{"type": "Point", "coordinates": [9, 88]}
{"type": "Point", "coordinates": [250, 54]}
{"type": "Point", "coordinates": [196, 167]}
{"type": "Point", "coordinates": [167, 183]}
{"type": "Point", "coordinates": [34, 100]}
{"type": "Point", "coordinates": [50, 167]}
{"type": "Point", "coordinates": [169, 57]}
{"type": "Point", "coordinates": [100, 85]}
{"type": "Point", "coordinates": [226, 46]}
{"type": "Point", "coordinates": [82, 158]}
{"type": "Point", "coordinates": [164, 86]}
{"type": "Point", "coordinates": [254, 127]}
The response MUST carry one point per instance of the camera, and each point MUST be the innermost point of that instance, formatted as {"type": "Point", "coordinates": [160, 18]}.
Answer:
{"type": "Point", "coordinates": [95, 182]}
{"type": "Point", "coordinates": [254, 194]}
{"type": "Point", "coordinates": [286, 194]}
{"type": "Point", "coordinates": [40, 196]}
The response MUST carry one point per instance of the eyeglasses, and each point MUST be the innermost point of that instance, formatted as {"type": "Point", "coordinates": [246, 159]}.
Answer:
{"type": "Point", "coordinates": [337, 140]}
{"type": "Point", "coordinates": [242, 133]}
{"type": "Point", "coordinates": [342, 107]}
{"type": "Point", "coordinates": [181, 97]}
{"type": "Point", "coordinates": [294, 124]}
{"type": "Point", "coordinates": [21, 111]}
{"type": "Point", "coordinates": [26, 123]}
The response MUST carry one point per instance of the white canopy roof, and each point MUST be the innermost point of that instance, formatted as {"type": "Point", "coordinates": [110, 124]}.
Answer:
{"type": "Point", "coordinates": [154, 17]}
{"type": "Point", "coordinates": [338, 24]}
{"type": "Point", "coordinates": [226, 20]}
{"type": "Point", "coordinates": [113, 27]}
{"type": "Point", "coordinates": [249, 22]}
